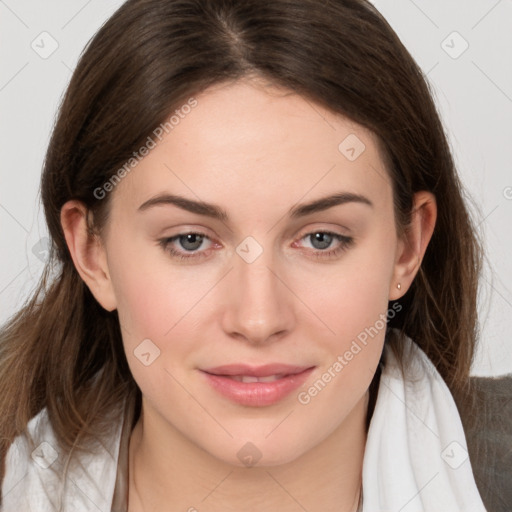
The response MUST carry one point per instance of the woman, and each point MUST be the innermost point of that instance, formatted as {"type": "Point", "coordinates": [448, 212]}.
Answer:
{"type": "Point", "coordinates": [266, 286]}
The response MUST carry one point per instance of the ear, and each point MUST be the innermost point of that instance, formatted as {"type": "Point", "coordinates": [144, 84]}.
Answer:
{"type": "Point", "coordinates": [88, 253]}
{"type": "Point", "coordinates": [412, 246]}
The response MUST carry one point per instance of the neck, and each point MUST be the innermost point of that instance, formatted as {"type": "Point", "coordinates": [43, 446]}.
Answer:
{"type": "Point", "coordinates": [167, 471]}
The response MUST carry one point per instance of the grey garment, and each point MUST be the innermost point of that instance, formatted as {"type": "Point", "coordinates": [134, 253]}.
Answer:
{"type": "Point", "coordinates": [487, 424]}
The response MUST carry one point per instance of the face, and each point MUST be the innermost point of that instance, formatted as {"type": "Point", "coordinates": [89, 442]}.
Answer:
{"type": "Point", "coordinates": [255, 278]}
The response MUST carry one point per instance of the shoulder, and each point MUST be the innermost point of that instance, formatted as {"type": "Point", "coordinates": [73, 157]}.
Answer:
{"type": "Point", "coordinates": [487, 421]}
{"type": "Point", "coordinates": [38, 475]}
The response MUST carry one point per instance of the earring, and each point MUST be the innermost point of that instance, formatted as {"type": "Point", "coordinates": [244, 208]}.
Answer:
{"type": "Point", "coordinates": [399, 286]}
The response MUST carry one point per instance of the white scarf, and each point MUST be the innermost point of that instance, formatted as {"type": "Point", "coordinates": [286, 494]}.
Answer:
{"type": "Point", "coordinates": [416, 457]}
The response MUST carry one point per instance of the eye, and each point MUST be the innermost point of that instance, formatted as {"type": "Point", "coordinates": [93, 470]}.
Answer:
{"type": "Point", "coordinates": [322, 240]}
{"type": "Point", "coordinates": [179, 245]}
{"type": "Point", "coordinates": [191, 241]}
{"type": "Point", "coordinates": [191, 245]}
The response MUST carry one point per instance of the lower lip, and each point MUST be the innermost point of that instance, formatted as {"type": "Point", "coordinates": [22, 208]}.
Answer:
{"type": "Point", "coordinates": [257, 394]}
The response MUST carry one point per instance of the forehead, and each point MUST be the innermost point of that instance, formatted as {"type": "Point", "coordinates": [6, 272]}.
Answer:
{"type": "Point", "coordinates": [265, 144]}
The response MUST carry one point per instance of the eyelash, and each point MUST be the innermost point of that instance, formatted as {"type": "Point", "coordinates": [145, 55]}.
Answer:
{"type": "Point", "coordinates": [345, 243]}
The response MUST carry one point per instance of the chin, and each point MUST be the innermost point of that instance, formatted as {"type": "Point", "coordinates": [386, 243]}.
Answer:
{"type": "Point", "coordinates": [258, 452]}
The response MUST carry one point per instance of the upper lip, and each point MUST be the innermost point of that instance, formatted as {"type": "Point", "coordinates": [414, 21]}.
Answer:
{"type": "Point", "coordinates": [256, 371]}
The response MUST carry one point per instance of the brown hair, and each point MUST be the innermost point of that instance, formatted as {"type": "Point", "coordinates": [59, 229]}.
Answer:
{"type": "Point", "coordinates": [62, 350]}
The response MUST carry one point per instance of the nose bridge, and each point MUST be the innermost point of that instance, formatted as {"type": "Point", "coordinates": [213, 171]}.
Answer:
{"type": "Point", "coordinates": [259, 305]}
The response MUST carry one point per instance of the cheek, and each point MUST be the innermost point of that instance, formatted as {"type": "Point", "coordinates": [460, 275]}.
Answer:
{"type": "Point", "coordinates": [352, 300]}
{"type": "Point", "coordinates": [151, 314]}
{"type": "Point", "coordinates": [354, 308]}
{"type": "Point", "coordinates": [151, 293]}
{"type": "Point", "coordinates": [351, 296]}
{"type": "Point", "coordinates": [160, 302]}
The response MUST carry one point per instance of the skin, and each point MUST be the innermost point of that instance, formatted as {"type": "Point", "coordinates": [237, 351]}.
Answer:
{"type": "Point", "coordinates": [255, 151]}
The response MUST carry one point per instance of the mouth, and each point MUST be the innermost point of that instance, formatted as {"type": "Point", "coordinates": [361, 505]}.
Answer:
{"type": "Point", "coordinates": [256, 386]}
{"type": "Point", "coordinates": [267, 370]}
{"type": "Point", "coordinates": [252, 378]}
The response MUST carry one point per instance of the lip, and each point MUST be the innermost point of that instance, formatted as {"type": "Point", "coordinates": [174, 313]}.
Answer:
{"type": "Point", "coordinates": [256, 371]}
{"type": "Point", "coordinates": [256, 394]}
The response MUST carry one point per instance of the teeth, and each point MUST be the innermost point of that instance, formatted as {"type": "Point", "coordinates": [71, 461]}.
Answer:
{"type": "Point", "coordinates": [250, 378]}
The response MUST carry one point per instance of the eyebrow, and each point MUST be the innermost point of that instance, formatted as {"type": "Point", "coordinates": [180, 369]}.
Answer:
{"type": "Point", "coordinates": [216, 212]}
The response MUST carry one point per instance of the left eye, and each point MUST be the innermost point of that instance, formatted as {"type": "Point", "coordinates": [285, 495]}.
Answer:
{"type": "Point", "coordinates": [190, 241]}
{"type": "Point", "coordinates": [322, 244]}
{"type": "Point", "coordinates": [322, 239]}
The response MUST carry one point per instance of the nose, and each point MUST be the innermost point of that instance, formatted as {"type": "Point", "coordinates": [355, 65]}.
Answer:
{"type": "Point", "coordinates": [259, 307]}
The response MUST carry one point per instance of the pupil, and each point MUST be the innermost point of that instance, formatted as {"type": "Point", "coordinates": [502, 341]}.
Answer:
{"type": "Point", "coordinates": [323, 240]}
{"type": "Point", "coordinates": [194, 239]}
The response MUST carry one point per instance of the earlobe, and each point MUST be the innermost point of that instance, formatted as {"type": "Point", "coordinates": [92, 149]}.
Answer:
{"type": "Point", "coordinates": [412, 246]}
{"type": "Point", "coordinates": [88, 253]}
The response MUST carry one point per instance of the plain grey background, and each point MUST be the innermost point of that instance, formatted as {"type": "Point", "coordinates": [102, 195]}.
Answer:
{"type": "Point", "coordinates": [464, 47]}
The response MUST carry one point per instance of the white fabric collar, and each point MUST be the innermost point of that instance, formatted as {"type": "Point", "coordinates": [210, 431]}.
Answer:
{"type": "Point", "coordinates": [416, 457]}
{"type": "Point", "coordinates": [34, 483]}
